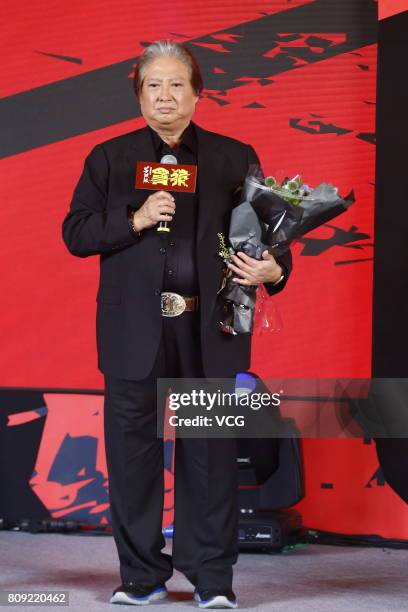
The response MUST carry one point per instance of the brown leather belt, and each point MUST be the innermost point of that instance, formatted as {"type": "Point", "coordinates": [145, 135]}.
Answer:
{"type": "Point", "coordinates": [174, 304]}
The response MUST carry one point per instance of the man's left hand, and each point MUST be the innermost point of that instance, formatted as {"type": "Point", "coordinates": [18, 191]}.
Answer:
{"type": "Point", "coordinates": [251, 271]}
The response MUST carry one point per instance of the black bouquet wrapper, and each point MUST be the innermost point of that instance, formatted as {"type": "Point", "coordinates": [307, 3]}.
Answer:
{"type": "Point", "coordinates": [245, 234]}
{"type": "Point", "coordinates": [238, 308]}
{"type": "Point", "coordinates": [286, 222]}
{"type": "Point", "coordinates": [264, 220]}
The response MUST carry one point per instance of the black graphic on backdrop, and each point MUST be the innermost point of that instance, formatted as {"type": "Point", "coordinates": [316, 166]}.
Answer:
{"type": "Point", "coordinates": [257, 50]}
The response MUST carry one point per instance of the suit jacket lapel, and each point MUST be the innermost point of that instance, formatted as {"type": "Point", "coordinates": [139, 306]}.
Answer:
{"type": "Point", "coordinates": [141, 149]}
{"type": "Point", "coordinates": [210, 160]}
{"type": "Point", "coordinates": [211, 165]}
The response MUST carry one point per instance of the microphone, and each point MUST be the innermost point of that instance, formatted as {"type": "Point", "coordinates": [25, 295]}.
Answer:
{"type": "Point", "coordinates": [166, 159]}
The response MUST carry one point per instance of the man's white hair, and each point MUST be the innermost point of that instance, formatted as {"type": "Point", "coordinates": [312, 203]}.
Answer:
{"type": "Point", "coordinates": [171, 48]}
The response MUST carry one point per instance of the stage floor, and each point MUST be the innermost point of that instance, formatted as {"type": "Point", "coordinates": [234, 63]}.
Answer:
{"type": "Point", "coordinates": [313, 578]}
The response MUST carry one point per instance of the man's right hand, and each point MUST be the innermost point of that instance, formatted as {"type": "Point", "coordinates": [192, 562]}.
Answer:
{"type": "Point", "coordinates": [159, 206]}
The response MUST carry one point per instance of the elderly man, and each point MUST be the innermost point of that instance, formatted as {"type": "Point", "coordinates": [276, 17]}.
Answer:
{"type": "Point", "coordinates": [137, 342]}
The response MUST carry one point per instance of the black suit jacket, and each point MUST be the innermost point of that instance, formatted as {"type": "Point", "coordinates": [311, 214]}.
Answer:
{"type": "Point", "coordinates": [128, 318]}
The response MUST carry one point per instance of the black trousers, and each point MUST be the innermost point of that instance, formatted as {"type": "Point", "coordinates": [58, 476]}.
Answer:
{"type": "Point", "coordinates": [205, 541]}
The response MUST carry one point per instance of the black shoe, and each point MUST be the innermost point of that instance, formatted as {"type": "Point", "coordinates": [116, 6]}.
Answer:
{"type": "Point", "coordinates": [131, 593]}
{"type": "Point", "coordinates": [215, 599]}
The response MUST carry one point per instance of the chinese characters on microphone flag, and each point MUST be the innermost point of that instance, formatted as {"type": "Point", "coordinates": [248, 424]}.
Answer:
{"type": "Point", "coordinates": [174, 177]}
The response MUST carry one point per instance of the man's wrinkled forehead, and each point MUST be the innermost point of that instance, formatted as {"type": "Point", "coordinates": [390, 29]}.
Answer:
{"type": "Point", "coordinates": [159, 71]}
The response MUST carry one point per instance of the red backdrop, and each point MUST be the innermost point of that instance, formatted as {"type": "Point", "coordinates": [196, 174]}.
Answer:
{"type": "Point", "coordinates": [306, 103]}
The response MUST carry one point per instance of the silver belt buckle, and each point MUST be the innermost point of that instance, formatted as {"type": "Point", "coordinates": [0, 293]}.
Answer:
{"type": "Point", "coordinates": [172, 304]}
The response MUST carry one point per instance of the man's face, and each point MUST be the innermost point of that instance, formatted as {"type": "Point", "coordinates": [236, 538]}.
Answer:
{"type": "Point", "coordinates": [167, 99]}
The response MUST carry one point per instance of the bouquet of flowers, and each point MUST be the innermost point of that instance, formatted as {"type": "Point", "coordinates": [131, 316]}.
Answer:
{"type": "Point", "coordinates": [270, 216]}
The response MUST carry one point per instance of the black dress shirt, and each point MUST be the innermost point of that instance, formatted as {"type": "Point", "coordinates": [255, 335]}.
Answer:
{"type": "Point", "coordinates": [180, 272]}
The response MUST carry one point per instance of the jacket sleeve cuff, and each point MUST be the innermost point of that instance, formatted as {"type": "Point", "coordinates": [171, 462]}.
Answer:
{"type": "Point", "coordinates": [273, 289]}
{"type": "Point", "coordinates": [130, 212]}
